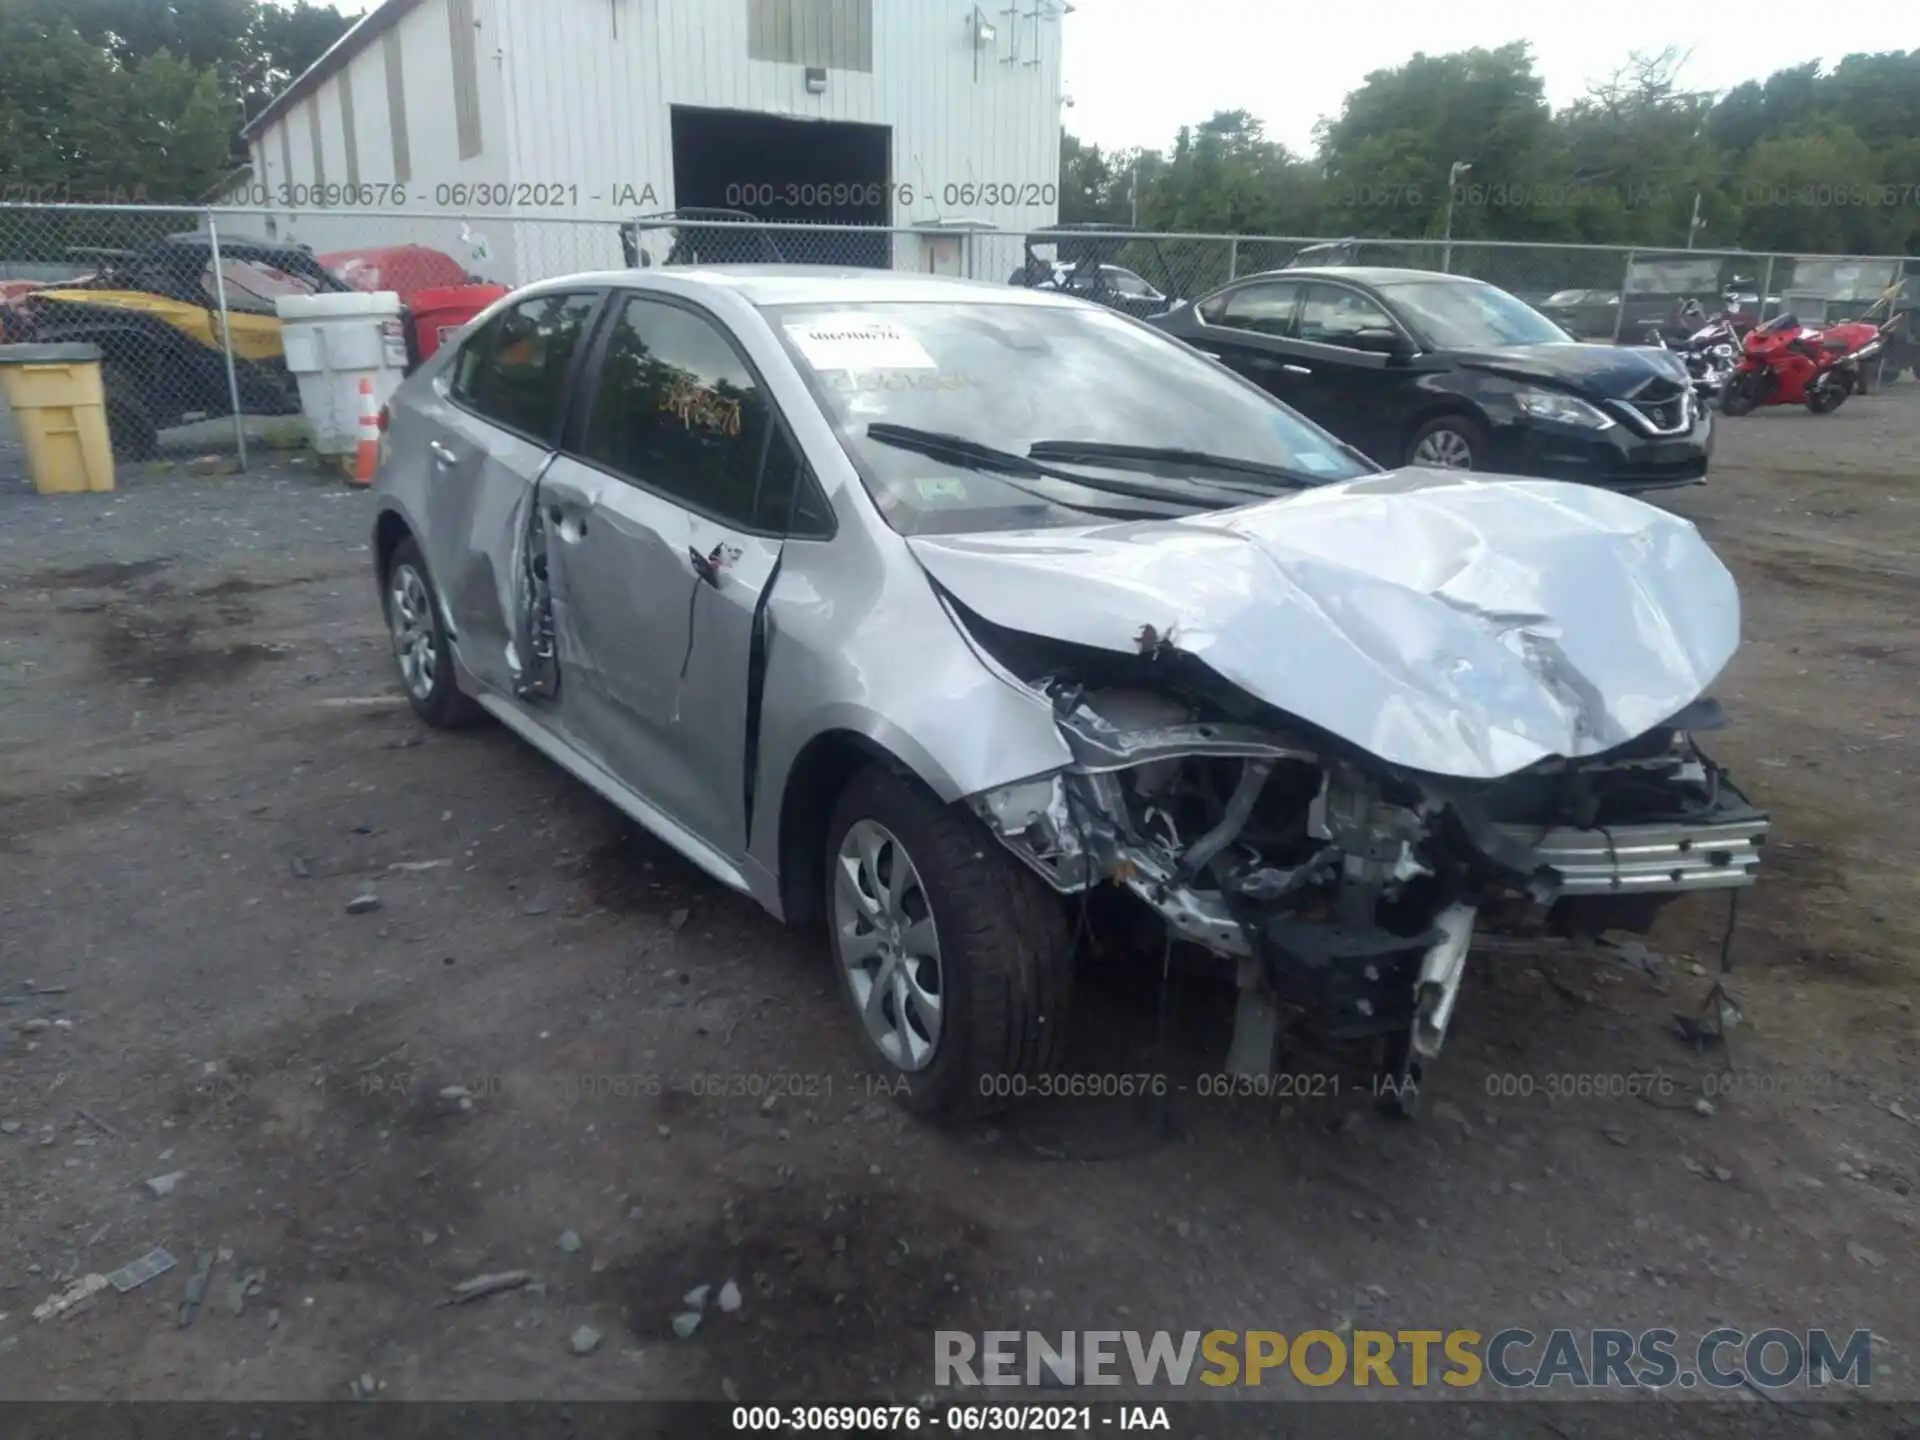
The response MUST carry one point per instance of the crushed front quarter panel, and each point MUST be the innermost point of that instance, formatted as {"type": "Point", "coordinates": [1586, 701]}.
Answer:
{"type": "Point", "coordinates": [1459, 626]}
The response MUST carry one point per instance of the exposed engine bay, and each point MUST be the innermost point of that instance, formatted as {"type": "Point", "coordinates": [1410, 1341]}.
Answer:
{"type": "Point", "coordinates": [1347, 890]}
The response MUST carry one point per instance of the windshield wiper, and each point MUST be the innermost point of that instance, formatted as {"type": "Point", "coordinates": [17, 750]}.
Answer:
{"type": "Point", "coordinates": [1102, 453]}
{"type": "Point", "coordinates": [944, 446]}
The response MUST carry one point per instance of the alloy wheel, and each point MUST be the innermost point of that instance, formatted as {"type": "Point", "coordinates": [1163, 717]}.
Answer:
{"type": "Point", "coordinates": [410, 615]}
{"type": "Point", "coordinates": [1444, 450]}
{"type": "Point", "coordinates": [887, 942]}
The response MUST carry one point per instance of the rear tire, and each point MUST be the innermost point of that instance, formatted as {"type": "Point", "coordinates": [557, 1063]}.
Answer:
{"type": "Point", "coordinates": [1828, 398]}
{"type": "Point", "coordinates": [924, 906]}
{"type": "Point", "coordinates": [420, 647]}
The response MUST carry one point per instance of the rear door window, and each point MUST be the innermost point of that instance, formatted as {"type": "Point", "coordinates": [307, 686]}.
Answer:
{"type": "Point", "coordinates": [1265, 307]}
{"type": "Point", "coordinates": [513, 370]}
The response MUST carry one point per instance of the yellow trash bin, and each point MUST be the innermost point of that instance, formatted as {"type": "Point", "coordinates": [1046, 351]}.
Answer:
{"type": "Point", "coordinates": [60, 408]}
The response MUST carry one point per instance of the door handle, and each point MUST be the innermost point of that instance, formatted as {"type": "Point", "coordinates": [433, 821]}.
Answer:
{"type": "Point", "coordinates": [442, 456]}
{"type": "Point", "coordinates": [571, 527]}
{"type": "Point", "coordinates": [1296, 369]}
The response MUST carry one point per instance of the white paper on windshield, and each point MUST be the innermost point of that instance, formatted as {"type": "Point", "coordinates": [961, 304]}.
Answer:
{"type": "Point", "coordinates": [855, 342]}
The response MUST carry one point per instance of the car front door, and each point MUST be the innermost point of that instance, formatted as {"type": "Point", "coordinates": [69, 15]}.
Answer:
{"type": "Point", "coordinates": [491, 422]}
{"type": "Point", "coordinates": [1359, 394]}
{"type": "Point", "coordinates": [1245, 329]}
{"type": "Point", "coordinates": [666, 514]}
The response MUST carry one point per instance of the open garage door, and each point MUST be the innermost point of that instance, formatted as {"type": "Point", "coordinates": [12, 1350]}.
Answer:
{"type": "Point", "coordinates": [809, 172]}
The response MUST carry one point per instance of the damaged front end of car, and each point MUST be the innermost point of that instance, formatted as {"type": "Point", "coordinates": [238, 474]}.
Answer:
{"type": "Point", "coordinates": [1346, 890]}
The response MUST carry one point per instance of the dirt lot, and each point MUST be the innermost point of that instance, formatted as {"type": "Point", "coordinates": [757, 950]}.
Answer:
{"type": "Point", "coordinates": [185, 819]}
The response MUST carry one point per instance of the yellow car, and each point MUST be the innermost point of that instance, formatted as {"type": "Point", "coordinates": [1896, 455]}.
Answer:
{"type": "Point", "coordinates": [155, 315]}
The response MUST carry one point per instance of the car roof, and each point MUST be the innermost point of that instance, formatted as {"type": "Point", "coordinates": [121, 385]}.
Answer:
{"type": "Point", "coordinates": [817, 285]}
{"type": "Point", "coordinates": [1365, 274]}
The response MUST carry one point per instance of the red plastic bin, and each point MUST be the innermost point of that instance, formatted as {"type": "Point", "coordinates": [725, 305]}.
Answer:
{"type": "Point", "coordinates": [438, 313]}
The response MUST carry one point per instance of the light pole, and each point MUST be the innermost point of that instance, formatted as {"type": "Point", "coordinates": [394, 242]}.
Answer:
{"type": "Point", "coordinates": [1460, 167]}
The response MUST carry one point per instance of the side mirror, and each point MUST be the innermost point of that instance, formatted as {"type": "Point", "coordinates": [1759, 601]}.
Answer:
{"type": "Point", "coordinates": [1382, 342]}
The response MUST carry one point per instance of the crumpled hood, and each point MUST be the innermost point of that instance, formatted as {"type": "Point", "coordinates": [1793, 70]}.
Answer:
{"type": "Point", "coordinates": [1599, 372]}
{"type": "Point", "coordinates": [1458, 626]}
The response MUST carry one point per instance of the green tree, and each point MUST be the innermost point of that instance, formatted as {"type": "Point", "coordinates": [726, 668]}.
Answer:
{"type": "Point", "coordinates": [105, 99]}
{"type": "Point", "coordinates": [1622, 165]}
{"type": "Point", "coordinates": [1404, 129]}
{"type": "Point", "coordinates": [1813, 193]}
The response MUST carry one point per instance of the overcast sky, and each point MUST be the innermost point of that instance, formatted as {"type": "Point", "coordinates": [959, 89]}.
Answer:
{"type": "Point", "coordinates": [1140, 69]}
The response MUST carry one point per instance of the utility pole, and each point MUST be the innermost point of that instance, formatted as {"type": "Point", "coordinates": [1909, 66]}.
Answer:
{"type": "Point", "coordinates": [1459, 168]}
{"type": "Point", "coordinates": [1694, 224]}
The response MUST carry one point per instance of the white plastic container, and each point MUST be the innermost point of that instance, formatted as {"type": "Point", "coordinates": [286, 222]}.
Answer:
{"type": "Point", "coordinates": [332, 343]}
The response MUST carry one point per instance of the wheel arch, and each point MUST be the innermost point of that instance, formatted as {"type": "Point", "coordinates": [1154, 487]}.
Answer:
{"type": "Point", "coordinates": [390, 529]}
{"type": "Point", "coordinates": [820, 771]}
{"type": "Point", "coordinates": [1441, 407]}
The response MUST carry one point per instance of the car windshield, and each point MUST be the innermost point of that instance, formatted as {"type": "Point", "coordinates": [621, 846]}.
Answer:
{"type": "Point", "coordinates": [1463, 315]}
{"type": "Point", "coordinates": [1010, 377]}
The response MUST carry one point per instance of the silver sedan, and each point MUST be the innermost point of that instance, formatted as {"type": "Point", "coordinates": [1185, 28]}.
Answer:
{"type": "Point", "coordinates": [917, 609]}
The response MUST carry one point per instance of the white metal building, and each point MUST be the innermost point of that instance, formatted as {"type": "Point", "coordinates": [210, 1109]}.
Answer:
{"type": "Point", "coordinates": [912, 113]}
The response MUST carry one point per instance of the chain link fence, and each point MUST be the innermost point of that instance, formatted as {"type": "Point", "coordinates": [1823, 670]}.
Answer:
{"type": "Point", "coordinates": [182, 302]}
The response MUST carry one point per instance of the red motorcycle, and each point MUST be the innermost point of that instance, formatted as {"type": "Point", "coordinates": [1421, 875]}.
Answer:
{"type": "Point", "coordinates": [1786, 363]}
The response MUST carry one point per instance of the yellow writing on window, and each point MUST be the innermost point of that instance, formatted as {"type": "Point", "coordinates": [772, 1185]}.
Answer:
{"type": "Point", "coordinates": [701, 406]}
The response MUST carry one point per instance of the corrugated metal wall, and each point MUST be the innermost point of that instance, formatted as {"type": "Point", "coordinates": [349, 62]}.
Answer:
{"type": "Point", "coordinates": [601, 76]}
{"type": "Point", "coordinates": [592, 83]}
{"type": "Point", "coordinates": [832, 34]}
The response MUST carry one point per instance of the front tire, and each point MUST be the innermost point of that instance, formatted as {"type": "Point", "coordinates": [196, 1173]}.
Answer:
{"type": "Point", "coordinates": [1741, 396]}
{"type": "Point", "coordinates": [955, 960]}
{"type": "Point", "coordinates": [1452, 442]}
{"type": "Point", "coordinates": [420, 647]}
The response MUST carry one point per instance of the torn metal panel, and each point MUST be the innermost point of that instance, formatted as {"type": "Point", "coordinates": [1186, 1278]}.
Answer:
{"type": "Point", "coordinates": [532, 655]}
{"type": "Point", "coordinates": [1455, 626]}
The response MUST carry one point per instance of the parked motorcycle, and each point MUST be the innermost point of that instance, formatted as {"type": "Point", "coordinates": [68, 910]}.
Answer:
{"type": "Point", "coordinates": [1710, 349]}
{"type": "Point", "coordinates": [1786, 363]}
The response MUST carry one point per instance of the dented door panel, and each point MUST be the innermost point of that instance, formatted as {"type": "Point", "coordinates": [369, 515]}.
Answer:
{"type": "Point", "coordinates": [480, 489]}
{"type": "Point", "coordinates": [656, 642]}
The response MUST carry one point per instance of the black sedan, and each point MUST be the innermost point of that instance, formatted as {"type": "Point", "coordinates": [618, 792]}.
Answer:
{"type": "Point", "coordinates": [1419, 368]}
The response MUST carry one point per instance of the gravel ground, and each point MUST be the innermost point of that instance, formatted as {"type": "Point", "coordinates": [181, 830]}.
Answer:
{"type": "Point", "coordinates": [549, 1047]}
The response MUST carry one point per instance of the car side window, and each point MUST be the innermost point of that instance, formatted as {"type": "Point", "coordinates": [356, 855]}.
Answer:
{"type": "Point", "coordinates": [1266, 308]}
{"type": "Point", "coordinates": [1333, 315]}
{"type": "Point", "coordinates": [678, 410]}
{"type": "Point", "coordinates": [513, 370]}
{"type": "Point", "coordinates": [253, 286]}
{"type": "Point", "coordinates": [1125, 282]}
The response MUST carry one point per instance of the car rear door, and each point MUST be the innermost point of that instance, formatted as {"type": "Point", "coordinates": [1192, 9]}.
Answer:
{"type": "Point", "coordinates": [491, 421]}
{"type": "Point", "coordinates": [1245, 329]}
{"type": "Point", "coordinates": [666, 515]}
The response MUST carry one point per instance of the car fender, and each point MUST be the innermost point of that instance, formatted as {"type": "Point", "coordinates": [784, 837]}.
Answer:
{"type": "Point", "coordinates": [861, 649]}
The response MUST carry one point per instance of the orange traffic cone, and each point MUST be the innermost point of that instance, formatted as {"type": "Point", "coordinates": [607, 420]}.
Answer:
{"type": "Point", "coordinates": [368, 460]}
